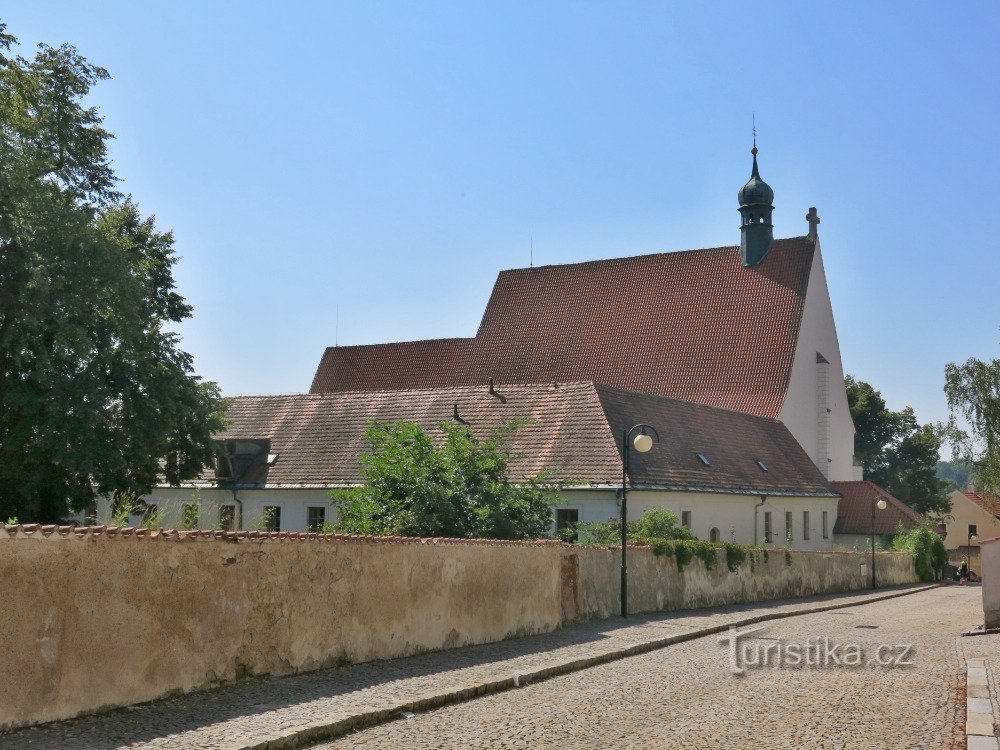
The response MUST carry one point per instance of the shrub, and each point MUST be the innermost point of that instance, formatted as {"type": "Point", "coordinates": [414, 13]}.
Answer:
{"type": "Point", "coordinates": [735, 555]}
{"type": "Point", "coordinates": [925, 545]}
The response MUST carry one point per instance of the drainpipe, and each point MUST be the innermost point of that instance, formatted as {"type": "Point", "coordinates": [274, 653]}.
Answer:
{"type": "Point", "coordinates": [239, 506]}
{"type": "Point", "coordinates": [763, 499]}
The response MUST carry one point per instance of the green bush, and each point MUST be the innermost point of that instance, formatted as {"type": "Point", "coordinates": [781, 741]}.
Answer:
{"type": "Point", "coordinates": [926, 546]}
{"type": "Point", "coordinates": [735, 555]}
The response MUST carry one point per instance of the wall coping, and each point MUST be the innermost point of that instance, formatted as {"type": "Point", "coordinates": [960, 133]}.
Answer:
{"type": "Point", "coordinates": [58, 532]}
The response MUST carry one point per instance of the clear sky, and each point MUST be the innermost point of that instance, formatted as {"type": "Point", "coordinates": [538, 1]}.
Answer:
{"type": "Point", "coordinates": [388, 159]}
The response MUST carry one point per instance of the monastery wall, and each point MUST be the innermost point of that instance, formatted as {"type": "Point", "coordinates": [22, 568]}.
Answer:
{"type": "Point", "coordinates": [100, 617]}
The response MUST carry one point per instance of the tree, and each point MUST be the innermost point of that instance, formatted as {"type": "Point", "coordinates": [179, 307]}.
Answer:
{"type": "Point", "coordinates": [956, 473]}
{"type": "Point", "coordinates": [926, 546]}
{"type": "Point", "coordinates": [458, 489]}
{"type": "Point", "coordinates": [973, 393]}
{"type": "Point", "coordinates": [96, 396]}
{"type": "Point", "coordinates": [895, 451]}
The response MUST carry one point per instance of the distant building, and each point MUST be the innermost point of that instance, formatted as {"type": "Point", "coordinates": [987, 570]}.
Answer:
{"type": "Point", "coordinates": [858, 516]}
{"type": "Point", "coordinates": [973, 519]}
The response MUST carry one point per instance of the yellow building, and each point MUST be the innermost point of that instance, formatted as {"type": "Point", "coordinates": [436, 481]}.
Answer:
{"type": "Point", "coordinates": [972, 519]}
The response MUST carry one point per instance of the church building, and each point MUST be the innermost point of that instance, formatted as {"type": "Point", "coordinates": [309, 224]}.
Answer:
{"type": "Point", "coordinates": [731, 353]}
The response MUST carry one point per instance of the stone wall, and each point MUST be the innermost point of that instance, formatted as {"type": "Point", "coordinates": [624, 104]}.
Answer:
{"type": "Point", "coordinates": [656, 585]}
{"type": "Point", "coordinates": [99, 617]}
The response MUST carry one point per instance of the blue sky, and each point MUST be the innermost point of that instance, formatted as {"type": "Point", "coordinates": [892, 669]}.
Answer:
{"type": "Point", "coordinates": [388, 159]}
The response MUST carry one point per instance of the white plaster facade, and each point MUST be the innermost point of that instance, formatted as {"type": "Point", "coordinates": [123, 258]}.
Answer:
{"type": "Point", "coordinates": [815, 408]}
{"type": "Point", "coordinates": [733, 515]}
{"type": "Point", "coordinates": [294, 505]}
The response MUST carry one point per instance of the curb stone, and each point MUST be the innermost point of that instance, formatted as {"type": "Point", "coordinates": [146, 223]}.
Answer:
{"type": "Point", "coordinates": [321, 731]}
{"type": "Point", "coordinates": [979, 712]}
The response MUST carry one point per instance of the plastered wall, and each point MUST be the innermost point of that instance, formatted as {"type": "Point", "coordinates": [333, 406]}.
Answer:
{"type": "Point", "coordinates": [98, 617]}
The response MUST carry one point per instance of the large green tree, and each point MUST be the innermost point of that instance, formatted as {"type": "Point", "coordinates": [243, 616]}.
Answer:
{"type": "Point", "coordinates": [973, 392]}
{"type": "Point", "coordinates": [95, 394]}
{"type": "Point", "coordinates": [416, 486]}
{"type": "Point", "coordinates": [897, 452]}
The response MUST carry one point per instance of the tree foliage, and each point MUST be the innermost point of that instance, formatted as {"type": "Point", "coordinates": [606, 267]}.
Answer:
{"type": "Point", "coordinates": [654, 524]}
{"type": "Point", "coordinates": [973, 393]}
{"type": "Point", "coordinates": [957, 473]}
{"type": "Point", "coordinates": [458, 488]}
{"type": "Point", "coordinates": [896, 452]}
{"type": "Point", "coordinates": [926, 546]}
{"type": "Point", "coordinates": [95, 394]}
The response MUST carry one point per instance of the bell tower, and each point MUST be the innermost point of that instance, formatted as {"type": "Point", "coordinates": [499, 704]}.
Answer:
{"type": "Point", "coordinates": [756, 231]}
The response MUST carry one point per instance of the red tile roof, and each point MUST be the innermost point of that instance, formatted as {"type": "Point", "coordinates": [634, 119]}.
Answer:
{"type": "Point", "coordinates": [380, 367]}
{"type": "Point", "coordinates": [693, 325]}
{"type": "Point", "coordinates": [987, 501]}
{"type": "Point", "coordinates": [732, 442]}
{"type": "Point", "coordinates": [854, 511]}
{"type": "Point", "coordinates": [575, 431]}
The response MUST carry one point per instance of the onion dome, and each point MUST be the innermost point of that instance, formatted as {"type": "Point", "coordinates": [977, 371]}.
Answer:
{"type": "Point", "coordinates": [756, 192]}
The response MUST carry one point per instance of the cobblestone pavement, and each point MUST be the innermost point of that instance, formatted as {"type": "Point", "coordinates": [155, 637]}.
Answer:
{"type": "Point", "coordinates": [254, 711]}
{"type": "Point", "coordinates": [685, 696]}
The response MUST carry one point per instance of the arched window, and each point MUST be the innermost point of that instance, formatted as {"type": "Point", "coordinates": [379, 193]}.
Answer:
{"type": "Point", "coordinates": [713, 535]}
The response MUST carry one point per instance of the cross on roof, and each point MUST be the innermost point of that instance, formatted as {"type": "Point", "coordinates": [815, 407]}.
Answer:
{"type": "Point", "coordinates": [813, 218]}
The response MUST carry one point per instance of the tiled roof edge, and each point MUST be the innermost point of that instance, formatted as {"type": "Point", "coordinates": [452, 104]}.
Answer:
{"type": "Point", "coordinates": [56, 532]}
{"type": "Point", "coordinates": [596, 261]}
{"type": "Point", "coordinates": [559, 384]}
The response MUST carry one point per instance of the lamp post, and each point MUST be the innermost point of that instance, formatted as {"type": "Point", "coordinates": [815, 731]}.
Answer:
{"type": "Point", "coordinates": [968, 549]}
{"type": "Point", "coordinates": [881, 504]}
{"type": "Point", "coordinates": [642, 443]}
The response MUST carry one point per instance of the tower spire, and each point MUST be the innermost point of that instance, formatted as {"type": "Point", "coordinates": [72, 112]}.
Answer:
{"type": "Point", "coordinates": [756, 199]}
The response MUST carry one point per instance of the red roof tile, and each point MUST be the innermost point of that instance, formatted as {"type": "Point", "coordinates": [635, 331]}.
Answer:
{"type": "Point", "coordinates": [694, 325]}
{"type": "Point", "coordinates": [575, 429]}
{"type": "Point", "coordinates": [987, 501]}
{"type": "Point", "coordinates": [732, 442]}
{"type": "Point", "coordinates": [381, 367]}
{"type": "Point", "coordinates": [854, 511]}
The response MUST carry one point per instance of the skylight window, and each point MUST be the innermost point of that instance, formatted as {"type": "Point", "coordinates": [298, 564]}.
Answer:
{"type": "Point", "coordinates": [762, 465]}
{"type": "Point", "coordinates": [703, 458]}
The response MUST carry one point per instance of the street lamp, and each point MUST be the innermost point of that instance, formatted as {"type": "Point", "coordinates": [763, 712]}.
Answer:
{"type": "Point", "coordinates": [642, 443]}
{"type": "Point", "coordinates": [881, 504]}
{"type": "Point", "coordinates": [968, 547]}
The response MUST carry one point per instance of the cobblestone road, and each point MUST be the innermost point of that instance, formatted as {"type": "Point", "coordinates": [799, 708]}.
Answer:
{"type": "Point", "coordinates": [684, 696]}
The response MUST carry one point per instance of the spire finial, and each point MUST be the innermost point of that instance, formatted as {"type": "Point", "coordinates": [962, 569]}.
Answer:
{"type": "Point", "coordinates": [754, 149]}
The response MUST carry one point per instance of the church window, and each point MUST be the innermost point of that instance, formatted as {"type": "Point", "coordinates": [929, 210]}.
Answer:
{"type": "Point", "coordinates": [713, 535]}
{"type": "Point", "coordinates": [315, 518]}
{"type": "Point", "coordinates": [567, 519]}
{"type": "Point", "coordinates": [270, 519]}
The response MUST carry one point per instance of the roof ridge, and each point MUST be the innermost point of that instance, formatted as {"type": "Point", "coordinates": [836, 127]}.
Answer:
{"type": "Point", "coordinates": [435, 388]}
{"type": "Point", "coordinates": [398, 343]}
{"type": "Point", "coordinates": [641, 256]}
